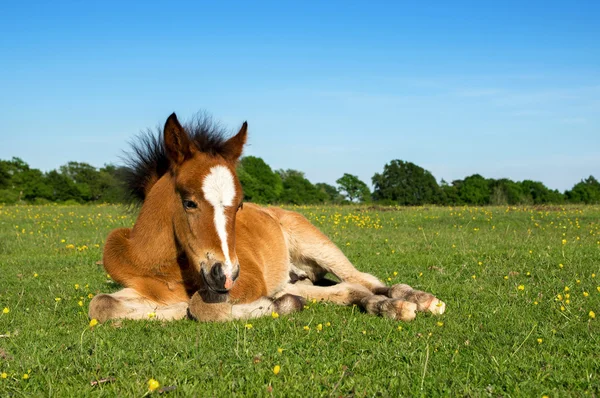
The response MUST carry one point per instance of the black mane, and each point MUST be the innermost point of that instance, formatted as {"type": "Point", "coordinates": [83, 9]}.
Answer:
{"type": "Point", "coordinates": [147, 161]}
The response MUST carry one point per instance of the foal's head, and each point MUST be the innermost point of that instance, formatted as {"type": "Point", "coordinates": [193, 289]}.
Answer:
{"type": "Point", "coordinates": [209, 195]}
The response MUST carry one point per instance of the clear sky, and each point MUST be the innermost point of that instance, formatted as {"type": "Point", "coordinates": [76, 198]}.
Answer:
{"type": "Point", "coordinates": [327, 87]}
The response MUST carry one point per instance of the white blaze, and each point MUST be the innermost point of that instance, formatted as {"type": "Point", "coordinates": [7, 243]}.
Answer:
{"type": "Point", "coordinates": [219, 191]}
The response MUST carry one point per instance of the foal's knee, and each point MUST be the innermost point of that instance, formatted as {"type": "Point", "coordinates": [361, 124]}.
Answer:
{"type": "Point", "coordinates": [104, 307]}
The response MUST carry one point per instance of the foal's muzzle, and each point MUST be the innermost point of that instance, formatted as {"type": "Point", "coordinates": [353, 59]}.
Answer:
{"type": "Point", "coordinates": [217, 280]}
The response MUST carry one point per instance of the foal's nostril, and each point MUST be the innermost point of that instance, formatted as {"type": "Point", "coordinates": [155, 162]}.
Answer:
{"type": "Point", "coordinates": [217, 275]}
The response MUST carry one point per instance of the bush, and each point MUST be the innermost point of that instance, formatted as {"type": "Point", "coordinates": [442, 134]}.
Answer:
{"type": "Point", "coordinates": [8, 197]}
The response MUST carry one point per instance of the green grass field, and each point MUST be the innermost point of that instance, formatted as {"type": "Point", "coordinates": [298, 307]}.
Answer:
{"type": "Point", "coordinates": [522, 286]}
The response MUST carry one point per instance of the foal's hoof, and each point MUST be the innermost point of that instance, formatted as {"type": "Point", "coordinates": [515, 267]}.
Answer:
{"type": "Point", "coordinates": [288, 303]}
{"type": "Point", "coordinates": [436, 307]}
{"type": "Point", "coordinates": [425, 302]}
{"type": "Point", "coordinates": [399, 310]}
{"type": "Point", "coordinates": [202, 311]}
{"type": "Point", "coordinates": [104, 307]}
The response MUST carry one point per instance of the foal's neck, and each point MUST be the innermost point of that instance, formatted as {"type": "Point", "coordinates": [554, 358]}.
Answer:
{"type": "Point", "coordinates": [152, 236]}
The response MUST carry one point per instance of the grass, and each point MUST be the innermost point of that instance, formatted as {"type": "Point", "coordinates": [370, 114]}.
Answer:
{"type": "Point", "coordinates": [506, 332]}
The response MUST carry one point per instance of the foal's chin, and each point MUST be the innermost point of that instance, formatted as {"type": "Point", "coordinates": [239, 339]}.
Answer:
{"type": "Point", "coordinates": [212, 297]}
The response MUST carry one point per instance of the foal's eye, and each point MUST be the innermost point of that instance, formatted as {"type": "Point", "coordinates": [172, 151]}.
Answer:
{"type": "Point", "coordinates": [190, 204]}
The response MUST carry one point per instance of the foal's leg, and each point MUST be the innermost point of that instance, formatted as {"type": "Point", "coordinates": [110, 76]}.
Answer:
{"type": "Point", "coordinates": [424, 301]}
{"type": "Point", "coordinates": [314, 253]}
{"type": "Point", "coordinates": [208, 307]}
{"type": "Point", "coordinates": [347, 294]}
{"type": "Point", "coordinates": [129, 304]}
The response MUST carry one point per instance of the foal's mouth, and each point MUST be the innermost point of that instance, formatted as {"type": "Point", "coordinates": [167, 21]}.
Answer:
{"type": "Point", "coordinates": [211, 288]}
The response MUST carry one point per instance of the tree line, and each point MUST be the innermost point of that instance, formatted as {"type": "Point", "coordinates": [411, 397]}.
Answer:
{"type": "Point", "coordinates": [400, 183]}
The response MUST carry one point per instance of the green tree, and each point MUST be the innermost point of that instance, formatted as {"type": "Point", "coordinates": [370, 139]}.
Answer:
{"type": "Point", "coordinates": [353, 188]}
{"type": "Point", "coordinates": [261, 184]}
{"type": "Point", "coordinates": [537, 193]}
{"type": "Point", "coordinates": [449, 193]}
{"type": "Point", "coordinates": [506, 192]}
{"type": "Point", "coordinates": [110, 184]}
{"type": "Point", "coordinates": [62, 188]}
{"type": "Point", "coordinates": [22, 182]}
{"type": "Point", "coordinates": [86, 178]}
{"type": "Point", "coordinates": [298, 190]}
{"type": "Point", "coordinates": [474, 190]}
{"type": "Point", "coordinates": [4, 175]}
{"type": "Point", "coordinates": [586, 191]}
{"type": "Point", "coordinates": [405, 183]}
{"type": "Point", "coordinates": [333, 195]}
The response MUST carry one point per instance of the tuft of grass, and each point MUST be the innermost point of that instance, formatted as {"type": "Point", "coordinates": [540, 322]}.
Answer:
{"type": "Point", "coordinates": [520, 284]}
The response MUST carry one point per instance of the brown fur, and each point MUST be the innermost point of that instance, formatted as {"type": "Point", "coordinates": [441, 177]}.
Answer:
{"type": "Point", "coordinates": [161, 260]}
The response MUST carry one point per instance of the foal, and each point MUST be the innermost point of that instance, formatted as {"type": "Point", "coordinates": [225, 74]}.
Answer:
{"type": "Point", "coordinates": [196, 250]}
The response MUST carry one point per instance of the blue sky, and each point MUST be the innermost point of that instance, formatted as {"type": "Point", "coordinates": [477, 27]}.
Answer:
{"type": "Point", "coordinates": [507, 90]}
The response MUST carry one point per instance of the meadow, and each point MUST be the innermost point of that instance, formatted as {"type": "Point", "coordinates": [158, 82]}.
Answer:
{"type": "Point", "coordinates": [521, 284]}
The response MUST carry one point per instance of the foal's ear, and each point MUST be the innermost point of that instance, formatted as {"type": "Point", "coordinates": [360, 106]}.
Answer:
{"type": "Point", "coordinates": [177, 142]}
{"type": "Point", "coordinates": [235, 145]}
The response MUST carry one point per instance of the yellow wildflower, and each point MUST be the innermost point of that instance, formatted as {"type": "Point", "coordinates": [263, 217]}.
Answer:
{"type": "Point", "coordinates": [585, 294]}
{"type": "Point", "coordinates": [80, 303]}
{"type": "Point", "coordinates": [280, 350]}
{"type": "Point", "coordinates": [540, 341]}
{"type": "Point", "coordinates": [276, 369]}
{"type": "Point", "coordinates": [521, 287]}
{"type": "Point", "coordinates": [4, 375]}
{"type": "Point", "coordinates": [90, 295]}
{"type": "Point", "coordinates": [320, 327]}
{"type": "Point", "coordinates": [6, 310]}
{"type": "Point", "coordinates": [35, 275]}
{"type": "Point", "coordinates": [153, 384]}
{"type": "Point", "coordinates": [93, 322]}
{"type": "Point", "coordinates": [440, 323]}
{"type": "Point", "coordinates": [248, 326]}
{"type": "Point", "coordinates": [592, 314]}
{"type": "Point", "coordinates": [306, 327]}
{"type": "Point", "coordinates": [26, 376]}
{"type": "Point", "coordinates": [57, 299]}
{"type": "Point", "coordinates": [328, 324]}
{"type": "Point", "coordinates": [275, 315]}
{"type": "Point", "coordinates": [77, 286]}
{"type": "Point", "coordinates": [567, 288]}
{"type": "Point", "coordinates": [152, 315]}
{"type": "Point", "coordinates": [564, 241]}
